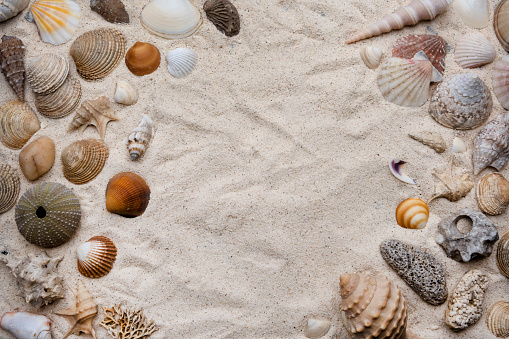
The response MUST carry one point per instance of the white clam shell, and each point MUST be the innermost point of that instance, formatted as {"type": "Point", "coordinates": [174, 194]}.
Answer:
{"type": "Point", "coordinates": [474, 13]}
{"type": "Point", "coordinates": [500, 81]}
{"type": "Point", "coordinates": [181, 62]}
{"type": "Point", "coordinates": [317, 328]}
{"type": "Point", "coordinates": [458, 145]}
{"type": "Point", "coordinates": [139, 139]}
{"type": "Point", "coordinates": [125, 93]}
{"type": "Point", "coordinates": [171, 19]}
{"type": "Point", "coordinates": [474, 50]}
{"type": "Point", "coordinates": [57, 20]}
{"type": "Point", "coordinates": [26, 325]}
{"type": "Point", "coordinates": [371, 56]}
{"type": "Point", "coordinates": [47, 72]}
{"type": "Point", "coordinates": [11, 8]}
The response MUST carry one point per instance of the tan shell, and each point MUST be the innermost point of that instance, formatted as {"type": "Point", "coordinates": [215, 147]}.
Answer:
{"type": "Point", "coordinates": [96, 257]}
{"type": "Point", "coordinates": [316, 328]}
{"type": "Point", "coordinates": [493, 193]}
{"type": "Point", "coordinates": [9, 187]}
{"type": "Point", "coordinates": [17, 124]}
{"type": "Point", "coordinates": [474, 50]}
{"type": "Point", "coordinates": [97, 112]}
{"type": "Point", "coordinates": [491, 145]}
{"type": "Point", "coordinates": [500, 81]}
{"type": "Point", "coordinates": [47, 72]}
{"type": "Point", "coordinates": [61, 102]}
{"type": "Point", "coordinates": [430, 139]}
{"type": "Point", "coordinates": [412, 213]}
{"type": "Point", "coordinates": [501, 23]}
{"type": "Point", "coordinates": [125, 93]}
{"type": "Point", "coordinates": [497, 319]}
{"type": "Point", "coordinates": [503, 255]}
{"type": "Point", "coordinates": [373, 307]}
{"type": "Point", "coordinates": [12, 63]}
{"type": "Point", "coordinates": [371, 56]}
{"type": "Point", "coordinates": [11, 8]}
{"type": "Point", "coordinates": [451, 185]}
{"type": "Point", "coordinates": [139, 139]}
{"type": "Point", "coordinates": [37, 158]}
{"type": "Point", "coordinates": [83, 160]}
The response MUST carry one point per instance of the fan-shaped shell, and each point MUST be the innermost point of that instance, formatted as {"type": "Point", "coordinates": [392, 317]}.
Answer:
{"type": "Point", "coordinates": [12, 63]}
{"type": "Point", "coordinates": [474, 50]}
{"type": "Point", "coordinates": [47, 72]}
{"type": "Point", "coordinates": [83, 160]}
{"type": "Point", "coordinates": [224, 15]}
{"type": "Point", "coordinates": [474, 13]}
{"type": "Point", "coordinates": [125, 93]}
{"type": "Point", "coordinates": [503, 255]}
{"type": "Point", "coordinates": [57, 20]}
{"type": "Point", "coordinates": [96, 257]}
{"type": "Point", "coordinates": [61, 102]}
{"type": "Point", "coordinates": [501, 23]}
{"type": "Point", "coordinates": [432, 45]}
{"type": "Point", "coordinates": [171, 19]}
{"type": "Point", "coordinates": [9, 187]}
{"type": "Point", "coordinates": [139, 139]}
{"type": "Point", "coordinates": [500, 81]}
{"type": "Point", "coordinates": [181, 62]}
{"type": "Point", "coordinates": [48, 214]}
{"type": "Point", "coordinates": [11, 8]}
{"type": "Point", "coordinates": [412, 213]}
{"type": "Point", "coordinates": [461, 101]}
{"type": "Point", "coordinates": [493, 193]}
{"type": "Point", "coordinates": [127, 194]}
{"type": "Point", "coordinates": [491, 145]}
{"type": "Point", "coordinates": [97, 53]}
{"type": "Point", "coordinates": [17, 124]}
{"type": "Point", "coordinates": [497, 319]}
{"type": "Point", "coordinates": [371, 56]}
{"type": "Point", "coordinates": [143, 58]}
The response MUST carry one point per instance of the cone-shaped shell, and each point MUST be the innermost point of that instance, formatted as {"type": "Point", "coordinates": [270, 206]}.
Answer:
{"type": "Point", "coordinates": [111, 10]}
{"type": "Point", "coordinates": [500, 81]}
{"type": "Point", "coordinates": [26, 325]}
{"type": "Point", "coordinates": [181, 62]}
{"type": "Point", "coordinates": [97, 53]}
{"type": "Point", "coordinates": [127, 194]}
{"type": "Point", "coordinates": [412, 213]}
{"type": "Point", "coordinates": [37, 158]}
{"type": "Point", "coordinates": [96, 257]}
{"type": "Point", "coordinates": [497, 319]}
{"type": "Point", "coordinates": [12, 63]}
{"type": "Point", "coordinates": [97, 112]}
{"type": "Point", "coordinates": [430, 139]}
{"type": "Point", "coordinates": [493, 193]}
{"type": "Point", "coordinates": [474, 13]}
{"type": "Point", "coordinates": [501, 23]}
{"type": "Point", "coordinates": [17, 124]}
{"type": "Point", "coordinates": [143, 58]}
{"type": "Point", "coordinates": [83, 160]}
{"type": "Point", "coordinates": [139, 139]}
{"type": "Point", "coordinates": [9, 187]}
{"type": "Point", "coordinates": [503, 255]}
{"type": "Point", "coordinates": [371, 56]}
{"type": "Point", "coordinates": [11, 8]}
{"type": "Point", "coordinates": [224, 15]}
{"type": "Point", "coordinates": [171, 19]}
{"type": "Point", "coordinates": [125, 93]}
{"type": "Point", "coordinates": [61, 102]}
{"type": "Point", "coordinates": [491, 145]}
{"type": "Point", "coordinates": [57, 20]}
{"type": "Point", "coordinates": [47, 72]}
{"type": "Point", "coordinates": [432, 45]}
{"type": "Point", "coordinates": [48, 214]}
{"type": "Point", "coordinates": [474, 50]}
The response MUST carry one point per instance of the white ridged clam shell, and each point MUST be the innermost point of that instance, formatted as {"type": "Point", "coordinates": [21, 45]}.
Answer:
{"type": "Point", "coordinates": [371, 56]}
{"type": "Point", "coordinates": [47, 72]}
{"type": "Point", "coordinates": [125, 93]}
{"type": "Point", "coordinates": [474, 13]}
{"type": "Point", "coordinates": [317, 328]}
{"type": "Point", "coordinates": [57, 20]}
{"type": "Point", "coordinates": [181, 62]}
{"type": "Point", "coordinates": [11, 8]}
{"type": "Point", "coordinates": [139, 139]}
{"type": "Point", "coordinates": [96, 257]}
{"type": "Point", "coordinates": [61, 102]}
{"type": "Point", "coordinates": [474, 50]}
{"type": "Point", "coordinates": [500, 81]}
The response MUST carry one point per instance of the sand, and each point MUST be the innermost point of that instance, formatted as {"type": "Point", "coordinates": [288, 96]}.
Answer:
{"type": "Point", "coordinates": [268, 175]}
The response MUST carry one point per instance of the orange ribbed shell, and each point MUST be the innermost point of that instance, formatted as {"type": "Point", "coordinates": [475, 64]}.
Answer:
{"type": "Point", "coordinates": [96, 257]}
{"type": "Point", "coordinates": [127, 194]}
{"type": "Point", "coordinates": [143, 58]}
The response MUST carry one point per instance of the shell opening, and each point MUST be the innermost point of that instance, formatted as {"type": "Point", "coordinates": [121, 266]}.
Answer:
{"type": "Point", "coordinates": [40, 212]}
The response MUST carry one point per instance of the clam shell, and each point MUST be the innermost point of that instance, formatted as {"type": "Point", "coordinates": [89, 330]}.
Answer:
{"type": "Point", "coordinates": [491, 145]}
{"type": "Point", "coordinates": [474, 50]}
{"type": "Point", "coordinates": [474, 13]}
{"type": "Point", "coordinates": [171, 19]}
{"type": "Point", "coordinates": [432, 45]}
{"type": "Point", "coordinates": [181, 62]}
{"type": "Point", "coordinates": [11, 8]}
{"type": "Point", "coordinates": [97, 112]}
{"type": "Point", "coordinates": [127, 194]}
{"type": "Point", "coordinates": [48, 214]}
{"type": "Point", "coordinates": [317, 328]}
{"type": "Point", "coordinates": [17, 124]}
{"type": "Point", "coordinates": [461, 101]}
{"type": "Point", "coordinates": [111, 10]}
{"type": "Point", "coordinates": [12, 63]}
{"type": "Point", "coordinates": [503, 255]}
{"type": "Point", "coordinates": [96, 257]}
{"type": "Point", "coordinates": [500, 81]}
{"type": "Point", "coordinates": [497, 319]}
{"type": "Point", "coordinates": [47, 72]}
{"type": "Point", "coordinates": [493, 193]}
{"type": "Point", "coordinates": [37, 158]}
{"type": "Point", "coordinates": [125, 93]}
{"type": "Point", "coordinates": [61, 102]}
{"type": "Point", "coordinates": [371, 56]}
{"type": "Point", "coordinates": [143, 58]}
{"type": "Point", "coordinates": [9, 187]}
{"type": "Point", "coordinates": [501, 23]}
{"type": "Point", "coordinates": [224, 15]}
{"type": "Point", "coordinates": [57, 20]}
{"type": "Point", "coordinates": [83, 160]}
{"type": "Point", "coordinates": [97, 53]}
{"type": "Point", "coordinates": [139, 139]}
{"type": "Point", "coordinates": [412, 213]}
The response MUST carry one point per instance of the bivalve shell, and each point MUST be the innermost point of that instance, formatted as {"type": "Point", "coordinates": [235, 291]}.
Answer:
{"type": "Point", "coordinates": [12, 63]}
{"type": "Point", "coordinates": [493, 193]}
{"type": "Point", "coordinates": [474, 13]}
{"type": "Point", "coordinates": [224, 15]}
{"type": "Point", "coordinates": [181, 62]}
{"type": "Point", "coordinates": [497, 319]}
{"type": "Point", "coordinates": [9, 187]}
{"type": "Point", "coordinates": [11, 8]}
{"type": "Point", "coordinates": [96, 257]}
{"type": "Point", "coordinates": [503, 255]}
{"type": "Point", "coordinates": [371, 56]}
{"type": "Point", "coordinates": [127, 194]}
{"type": "Point", "coordinates": [139, 139]}
{"type": "Point", "coordinates": [500, 81]}
{"type": "Point", "coordinates": [57, 20]}
{"type": "Point", "coordinates": [412, 213]}
{"type": "Point", "coordinates": [62, 102]}
{"type": "Point", "coordinates": [125, 93]}
{"type": "Point", "coordinates": [37, 158]}
{"type": "Point", "coordinates": [143, 58]}
{"type": "Point", "coordinates": [474, 50]}
{"type": "Point", "coordinates": [317, 328]}
{"type": "Point", "coordinates": [17, 124]}
{"type": "Point", "coordinates": [491, 145]}
{"type": "Point", "coordinates": [501, 23]}
{"type": "Point", "coordinates": [432, 45]}
{"type": "Point", "coordinates": [83, 160]}
{"type": "Point", "coordinates": [47, 72]}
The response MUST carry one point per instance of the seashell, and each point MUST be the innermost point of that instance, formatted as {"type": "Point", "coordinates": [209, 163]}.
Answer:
{"type": "Point", "coordinates": [17, 124]}
{"type": "Point", "coordinates": [224, 15]}
{"type": "Point", "coordinates": [474, 13]}
{"type": "Point", "coordinates": [491, 145]}
{"type": "Point", "coordinates": [26, 325]}
{"type": "Point", "coordinates": [11, 8]}
{"type": "Point", "coordinates": [461, 101]}
{"type": "Point", "coordinates": [500, 23]}
{"type": "Point", "coordinates": [56, 20]}
{"type": "Point", "coordinates": [127, 194]}
{"type": "Point", "coordinates": [371, 56]}
{"type": "Point", "coordinates": [181, 62]}
{"type": "Point", "coordinates": [372, 307]}
{"type": "Point", "coordinates": [412, 213]}
{"type": "Point", "coordinates": [126, 319]}
{"type": "Point", "coordinates": [396, 168]}
{"type": "Point", "coordinates": [81, 316]}
{"type": "Point", "coordinates": [12, 56]}
{"type": "Point", "coordinates": [139, 139]}
{"type": "Point", "coordinates": [9, 187]}
{"type": "Point", "coordinates": [406, 82]}
{"type": "Point", "coordinates": [432, 45]}
{"type": "Point", "coordinates": [493, 193]}
{"type": "Point", "coordinates": [83, 160]}
{"type": "Point", "coordinates": [37, 158]}
{"type": "Point", "coordinates": [317, 328]}
{"type": "Point", "coordinates": [409, 15]}
{"type": "Point", "coordinates": [96, 257]}
{"type": "Point", "coordinates": [171, 19]}
{"type": "Point", "coordinates": [500, 81]}
{"type": "Point", "coordinates": [97, 112]}
{"type": "Point", "coordinates": [432, 140]}
{"type": "Point", "coordinates": [451, 185]}
{"type": "Point", "coordinates": [125, 93]}
{"type": "Point", "coordinates": [474, 50]}
{"type": "Point", "coordinates": [47, 72]}
{"type": "Point", "coordinates": [503, 255]}
{"type": "Point", "coordinates": [458, 145]}
{"type": "Point", "coordinates": [497, 319]}
{"type": "Point", "coordinates": [111, 10]}
{"type": "Point", "coordinates": [48, 214]}
{"type": "Point", "coordinates": [62, 102]}
{"type": "Point", "coordinates": [97, 53]}
{"type": "Point", "coordinates": [143, 58]}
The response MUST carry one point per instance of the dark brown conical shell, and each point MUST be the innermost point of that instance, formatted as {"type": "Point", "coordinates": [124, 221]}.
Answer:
{"type": "Point", "coordinates": [224, 15]}
{"type": "Point", "coordinates": [111, 10]}
{"type": "Point", "coordinates": [12, 60]}
{"type": "Point", "coordinates": [127, 194]}
{"type": "Point", "coordinates": [9, 187]}
{"type": "Point", "coordinates": [432, 45]}
{"type": "Point", "coordinates": [96, 257]}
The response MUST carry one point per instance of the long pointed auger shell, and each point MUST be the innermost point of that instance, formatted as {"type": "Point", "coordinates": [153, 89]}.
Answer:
{"type": "Point", "coordinates": [9, 187]}
{"type": "Point", "coordinates": [57, 20]}
{"type": "Point", "coordinates": [12, 63]}
{"type": "Point", "coordinates": [11, 8]}
{"type": "Point", "coordinates": [47, 72]}
{"type": "Point", "coordinates": [501, 23]}
{"type": "Point", "coordinates": [500, 81]}
{"type": "Point", "coordinates": [491, 145]}
{"type": "Point", "coordinates": [474, 50]}
{"type": "Point", "coordinates": [224, 15]}
{"type": "Point", "coordinates": [24, 325]}
{"type": "Point", "coordinates": [497, 319]}
{"type": "Point", "coordinates": [474, 13]}
{"type": "Point", "coordinates": [18, 123]}
{"type": "Point", "coordinates": [97, 112]}
{"type": "Point", "coordinates": [432, 45]}
{"type": "Point", "coordinates": [83, 160]}
{"type": "Point", "coordinates": [139, 139]}
{"type": "Point", "coordinates": [62, 102]}
{"type": "Point", "coordinates": [96, 257]}
{"type": "Point", "coordinates": [181, 62]}
{"type": "Point", "coordinates": [493, 193]}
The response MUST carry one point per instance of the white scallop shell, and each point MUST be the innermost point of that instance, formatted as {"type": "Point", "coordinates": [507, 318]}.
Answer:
{"type": "Point", "coordinates": [500, 81]}
{"type": "Point", "coordinates": [125, 93]}
{"type": "Point", "coordinates": [171, 19]}
{"type": "Point", "coordinates": [47, 72]}
{"type": "Point", "coordinates": [474, 13]}
{"type": "Point", "coordinates": [57, 20]}
{"type": "Point", "coordinates": [139, 139]}
{"type": "Point", "coordinates": [474, 50]}
{"type": "Point", "coordinates": [181, 62]}
{"type": "Point", "coordinates": [317, 328]}
{"type": "Point", "coordinates": [371, 56]}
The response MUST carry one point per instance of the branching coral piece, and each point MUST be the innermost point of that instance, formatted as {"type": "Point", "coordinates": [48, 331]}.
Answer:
{"type": "Point", "coordinates": [133, 324]}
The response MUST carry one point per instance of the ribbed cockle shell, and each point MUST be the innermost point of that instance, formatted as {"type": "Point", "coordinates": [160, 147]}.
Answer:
{"type": "Point", "coordinates": [96, 257]}
{"type": "Point", "coordinates": [47, 72]}
{"type": "Point", "coordinates": [127, 194]}
{"type": "Point", "coordinates": [181, 61]}
{"type": "Point", "coordinates": [497, 319]}
{"type": "Point", "coordinates": [12, 62]}
{"type": "Point", "coordinates": [432, 45]}
{"type": "Point", "coordinates": [17, 124]}
{"type": "Point", "coordinates": [491, 145]}
{"type": "Point", "coordinates": [142, 58]}
{"type": "Point", "coordinates": [83, 160]}
{"type": "Point", "coordinates": [97, 112]}
{"type": "Point", "coordinates": [500, 81]}
{"type": "Point", "coordinates": [474, 50]}
{"type": "Point", "coordinates": [493, 193]}
{"type": "Point", "coordinates": [9, 187]}
{"type": "Point", "coordinates": [57, 20]}
{"type": "Point", "coordinates": [412, 213]}
{"type": "Point", "coordinates": [61, 102]}
{"type": "Point", "coordinates": [139, 139]}
{"type": "Point", "coordinates": [503, 255]}
{"type": "Point", "coordinates": [501, 23]}
{"type": "Point", "coordinates": [224, 15]}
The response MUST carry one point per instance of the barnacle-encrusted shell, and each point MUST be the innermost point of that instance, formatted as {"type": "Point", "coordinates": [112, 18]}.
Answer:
{"type": "Point", "coordinates": [491, 145]}
{"type": "Point", "coordinates": [371, 56]}
{"type": "Point", "coordinates": [432, 45]}
{"type": "Point", "coordinates": [224, 15]}
{"type": "Point", "coordinates": [139, 139]}
{"type": "Point", "coordinates": [317, 328]}
{"type": "Point", "coordinates": [497, 319]}
{"type": "Point", "coordinates": [474, 13]}
{"type": "Point", "coordinates": [412, 213]}
{"type": "Point", "coordinates": [97, 53]}
{"type": "Point", "coordinates": [127, 194]}
{"type": "Point", "coordinates": [430, 139]}
{"type": "Point", "coordinates": [61, 102]}
{"type": "Point", "coordinates": [11, 8]}
{"type": "Point", "coordinates": [47, 72]}
{"type": "Point", "coordinates": [57, 20]}
{"type": "Point", "coordinates": [142, 58]}
{"type": "Point", "coordinates": [48, 214]}
{"type": "Point", "coordinates": [96, 257]}
{"type": "Point", "coordinates": [111, 10]}
{"type": "Point", "coordinates": [83, 160]}
{"type": "Point", "coordinates": [97, 112]}
{"type": "Point", "coordinates": [12, 56]}
{"type": "Point", "coordinates": [474, 50]}
{"type": "Point", "coordinates": [500, 81]}
{"type": "Point", "coordinates": [9, 187]}
{"type": "Point", "coordinates": [37, 158]}
{"type": "Point", "coordinates": [181, 62]}
{"type": "Point", "coordinates": [125, 93]}
{"type": "Point", "coordinates": [493, 193]}
{"type": "Point", "coordinates": [501, 23]}
{"type": "Point", "coordinates": [17, 124]}
{"type": "Point", "coordinates": [503, 255]}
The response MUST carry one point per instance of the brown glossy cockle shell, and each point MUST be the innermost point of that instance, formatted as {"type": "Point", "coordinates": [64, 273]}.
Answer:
{"type": "Point", "coordinates": [127, 194]}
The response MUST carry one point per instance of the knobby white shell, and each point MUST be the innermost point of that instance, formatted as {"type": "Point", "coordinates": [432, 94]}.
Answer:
{"type": "Point", "coordinates": [317, 328]}
{"type": "Point", "coordinates": [474, 50]}
{"type": "Point", "coordinates": [140, 138]}
{"type": "Point", "coordinates": [474, 13]}
{"type": "Point", "coordinates": [500, 81]}
{"type": "Point", "coordinates": [371, 56]}
{"type": "Point", "coordinates": [57, 20]}
{"type": "Point", "coordinates": [26, 325]}
{"type": "Point", "coordinates": [125, 93]}
{"type": "Point", "coordinates": [181, 62]}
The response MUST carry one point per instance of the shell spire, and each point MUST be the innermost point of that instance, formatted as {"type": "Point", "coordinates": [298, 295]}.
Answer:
{"type": "Point", "coordinates": [140, 138]}
{"type": "Point", "coordinates": [12, 56]}
{"type": "Point", "coordinates": [491, 145]}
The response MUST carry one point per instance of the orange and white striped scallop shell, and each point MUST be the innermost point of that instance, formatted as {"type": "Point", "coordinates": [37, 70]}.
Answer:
{"type": "Point", "coordinates": [96, 257]}
{"type": "Point", "coordinates": [412, 213]}
{"type": "Point", "coordinates": [57, 20]}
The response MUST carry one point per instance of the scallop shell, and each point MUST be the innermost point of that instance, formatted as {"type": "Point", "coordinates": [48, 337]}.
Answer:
{"type": "Point", "coordinates": [181, 62]}
{"type": "Point", "coordinates": [125, 93]}
{"type": "Point", "coordinates": [412, 213]}
{"type": "Point", "coordinates": [111, 10]}
{"type": "Point", "coordinates": [37, 158]}
{"type": "Point", "coordinates": [493, 193]}
{"type": "Point", "coordinates": [474, 13]}
{"type": "Point", "coordinates": [474, 50]}
{"type": "Point", "coordinates": [139, 139]}
{"type": "Point", "coordinates": [83, 160]}
{"type": "Point", "coordinates": [372, 307]}
{"type": "Point", "coordinates": [371, 56]}
{"type": "Point", "coordinates": [491, 145]}
{"type": "Point", "coordinates": [9, 187]}
{"type": "Point", "coordinates": [143, 58]}
{"type": "Point", "coordinates": [57, 20]}
{"type": "Point", "coordinates": [224, 15]}
{"type": "Point", "coordinates": [500, 81]}
{"type": "Point", "coordinates": [97, 53]}
{"type": "Point", "coordinates": [47, 72]}
{"type": "Point", "coordinates": [127, 194]}
{"type": "Point", "coordinates": [97, 112]}
{"type": "Point", "coordinates": [461, 101]}
{"type": "Point", "coordinates": [503, 255]}
{"type": "Point", "coordinates": [432, 45]}
{"type": "Point", "coordinates": [317, 328]}
{"type": "Point", "coordinates": [62, 102]}
{"type": "Point", "coordinates": [96, 257]}
{"type": "Point", "coordinates": [11, 8]}
{"type": "Point", "coordinates": [17, 124]}
{"type": "Point", "coordinates": [48, 214]}
{"type": "Point", "coordinates": [171, 19]}
{"type": "Point", "coordinates": [497, 319]}
{"type": "Point", "coordinates": [12, 63]}
{"type": "Point", "coordinates": [501, 23]}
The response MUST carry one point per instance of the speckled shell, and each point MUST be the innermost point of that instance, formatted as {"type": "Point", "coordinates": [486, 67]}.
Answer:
{"type": "Point", "coordinates": [493, 193]}
{"type": "Point", "coordinates": [62, 102]}
{"type": "Point", "coordinates": [491, 145]}
{"type": "Point", "coordinates": [181, 62]}
{"type": "Point", "coordinates": [9, 187]}
{"type": "Point", "coordinates": [97, 112]}
{"type": "Point", "coordinates": [47, 72]}
{"type": "Point", "coordinates": [142, 58]}
{"type": "Point", "coordinates": [97, 53]}
{"type": "Point", "coordinates": [461, 101]}
{"type": "Point", "coordinates": [139, 139]}
{"type": "Point", "coordinates": [503, 255]}
{"type": "Point", "coordinates": [17, 124]}
{"type": "Point", "coordinates": [57, 20]}
{"type": "Point", "coordinates": [12, 63]}
{"type": "Point", "coordinates": [11, 8]}
{"type": "Point", "coordinates": [371, 56]}
{"type": "Point", "coordinates": [96, 257]}
{"type": "Point", "coordinates": [127, 194]}
{"type": "Point", "coordinates": [500, 81]}
{"type": "Point", "coordinates": [412, 213]}
{"type": "Point", "coordinates": [111, 10]}
{"type": "Point", "coordinates": [48, 214]}
{"type": "Point", "coordinates": [224, 15]}
{"type": "Point", "coordinates": [501, 23]}
{"type": "Point", "coordinates": [83, 160]}
{"type": "Point", "coordinates": [474, 13]}
{"type": "Point", "coordinates": [497, 319]}
{"type": "Point", "coordinates": [432, 45]}
{"type": "Point", "coordinates": [372, 307]}
{"type": "Point", "coordinates": [125, 93]}
{"type": "Point", "coordinates": [474, 50]}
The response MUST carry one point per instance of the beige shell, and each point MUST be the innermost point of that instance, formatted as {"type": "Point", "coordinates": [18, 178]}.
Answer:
{"type": "Point", "coordinates": [474, 50]}
{"type": "Point", "coordinates": [501, 23]}
{"type": "Point", "coordinates": [47, 72]}
{"type": "Point", "coordinates": [37, 158]}
{"type": "Point", "coordinates": [57, 20]}
{"type": "Point", "coordinates": [412, 213]}
{"type": "Point", "coordinates": [17, 124]}
{"type": "Point", "coordinates": [491, 145]}
{"type": "Point", "coordinates": [125, 93]}
{"type": "Point", "coordinates": [139, 139]}
{"type": "Point", "coordinates": [450, 184]}
{"type": "Point", "coordinates": [96, 257]}
{"type": "Point", "coordinates": [97, 112]}
{"type": "Point", "coordinates": [317, 328]}
{"type": "Point", "coordinates": [371, 56]}
{"type": "Point", "coordinates": [497, 319]}
{"type": "Point", "coordinates": [9, 187]}
{"type": "Point", "coordinates": [61, 102]}
{"type": "Point", "coordinates": [503, 254]}
{"type": "Point", "coordinates": [500, 81]}
{"type": "Point", "coordinates": [474, 13]}
{"type": "Point", "coordinates": [493, 193]}
{"type": "Point", "coordinates": [430, 139]}
{"type": "Point", "coordinates": [83, 160]}
{"type": "Point", "coordinates": [373, 307]}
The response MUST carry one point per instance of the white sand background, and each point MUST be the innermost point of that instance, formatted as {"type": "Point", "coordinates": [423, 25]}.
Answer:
{"type": "Point", "coordinates": [268, 175]}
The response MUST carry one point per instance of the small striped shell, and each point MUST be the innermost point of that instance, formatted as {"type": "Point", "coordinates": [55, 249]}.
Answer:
{"type": "Point", "coordinates": [181, 62]}
{"type": "Point", "coordinates": [432, 45]}
{"type": "Point", "coordinates": [96, 257]}
{"type": "Point", "coordinates": [57, 20]}
{"type": "Point", "coordinates": [83, 160]}
{"type": "Point", "coordinates": [17, 124]}
{"type": "Point", "coordinates": [61, 102]}
{"type": "Point", "coordinates": [493, 193]}
{"type": "Point", "coordinates": [48, 214]}
{"type": "Point", "coordinates": [503, 255]}
{"type": "Point", "coordinates": [412, 213]}
{"type": "Point", "coordinates": [9, 187]}
{"type": "Point", "coordinates": [47, 72]}
{"type": "Point", "coordinates": [497, 319]}
{"type": "Point", "coordinates": [371, 56]}
{"type": "Point", "coordinates": [139, 139]}
{"type": "Point", "coordinates": [500, 81]}
{"type": "Point", "coordinates": [127, 194]}
{"type": "Point", "coordinates": [474, 50]}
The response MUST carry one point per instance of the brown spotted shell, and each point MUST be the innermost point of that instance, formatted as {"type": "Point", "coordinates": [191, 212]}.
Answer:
{"type": "Point", "coordinates": [83, 160]}
{"type": "Point", "coordinates": [432, 45]}
{"type": "Point", "coordinates": [224, 15]}
{"type": "Point", "coordinates": [18, 123]}
{"type": "Point", "coordinates": [127, 194]}
{"type": "Point", "coordinates": [61, 102]}
{"type": "Point", "coordinates": [96, 257]}
{"type": "Point", "coordinates": [47, 72]}
{"type": "Point", "coordinates": [142, 58]}
{"type": "Point", "coordinates": [9, 187]}
{"type": "Point", "coordinates": [503, 255]}
{"type": "Point", "coordinates": [493, 193]}
{"type": "Point", "coordinates": [497, 319]}
{"type": "Point", "coordinates": [12, 63]}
